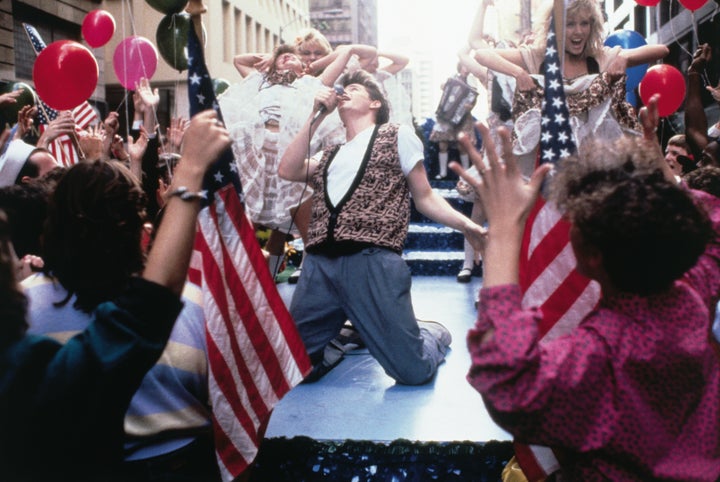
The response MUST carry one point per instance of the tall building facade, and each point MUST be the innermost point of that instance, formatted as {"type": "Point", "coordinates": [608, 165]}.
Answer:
{"type": "Point", "coordinates": [54, 20]}
{"type": "Point", "coordinates": [345, 21]}
{"type": "Point", "coordinates": [232, 27]}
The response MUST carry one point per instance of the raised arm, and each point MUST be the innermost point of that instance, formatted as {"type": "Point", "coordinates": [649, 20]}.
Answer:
{"type": "Point", "coordinates": [341, 57]}
{"type": "Point", "coordinates": [476, 38]}
{"type": "Point", "coordinates": [245, 63]}
{"type": "Point", "coordinates": [695, 120]}
{"type": "Point", "coordinates": [508, 62]}
{"type": "Point", "coordinates": [646, 54]}
{"type": "Point", "coordinates": [294, 164]}
{"type": "Point", "coordinates": [468, 61]}
{"type": "Point", "coordinates": [335, 62]}
{"type": "Point", "coordinates": [398, 62]}
{"type": "Point", "coordinates": [168, 261]}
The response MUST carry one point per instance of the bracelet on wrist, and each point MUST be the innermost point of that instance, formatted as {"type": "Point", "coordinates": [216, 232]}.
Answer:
{"type": "Point", "coordinates": [186, 195]}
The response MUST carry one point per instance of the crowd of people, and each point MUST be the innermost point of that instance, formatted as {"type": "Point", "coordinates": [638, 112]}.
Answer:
{"type": "Point", "coordinates": [102, 340]}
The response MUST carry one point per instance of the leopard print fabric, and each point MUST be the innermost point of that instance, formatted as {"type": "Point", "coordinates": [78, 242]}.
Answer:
{"type": "Point", "coordinates": [377, 208]}
{"type": "Point", "coordinates": [600, 89]}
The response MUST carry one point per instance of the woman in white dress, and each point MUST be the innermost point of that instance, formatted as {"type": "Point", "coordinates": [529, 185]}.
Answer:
{"type": "Point", "coordinates": [263, 113]}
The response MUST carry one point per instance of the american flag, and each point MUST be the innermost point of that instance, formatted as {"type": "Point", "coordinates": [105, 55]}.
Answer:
{"type": "Point", "coordinates": [548, 278]}
{"type": "Point", "coordinates": [255, 353]}
{"type": "Point", "coordinates": [62, 148]}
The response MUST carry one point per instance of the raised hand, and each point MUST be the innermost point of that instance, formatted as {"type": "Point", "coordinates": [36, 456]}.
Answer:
{"type": "Point", "coordinates": [264, 63]}
{"type": "Point", "coordinates": [149, 97]}
{"type": "Point", "coordinates": [507, 200]}
{"type": "Point", "coordinates": [92, 143]}
{"type": "Point", "coordinates": [506, 196]}
{"type": "Point", "coordinates": [175, 133]}
{"type": "Point", "coordinates": [10, 97]}
{"type": "Point", "coordinates": [26, 117]}
{"type": "Point", "coordinates": [715, 92]}
{"type": "Point", "coordinates": [205, 139]}
{"type": "Point", "coordinates": [64, 124]}
{"type": "Point", "coordinates": [136, 148]}
{"type": "Point", "coordinates": [701, 58]}
{"type": "Point", "coordinates": [649, 120]}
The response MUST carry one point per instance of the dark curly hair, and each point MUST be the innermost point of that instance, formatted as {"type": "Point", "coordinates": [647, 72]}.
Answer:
{"type": "Point", "coordinates": [91, 242]}
{"type": "Point", "coordinates": [648, 230]}
{"type": "Point", "coordinates": [13, 304]}
{"type": "Point", "coordinates": [706, 178]}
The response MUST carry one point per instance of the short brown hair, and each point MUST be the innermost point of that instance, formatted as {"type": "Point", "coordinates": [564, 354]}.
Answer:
{"type": "Point", "coordinates": [91, 243]}
{"type": "Point", "coordinates": [373, 89]}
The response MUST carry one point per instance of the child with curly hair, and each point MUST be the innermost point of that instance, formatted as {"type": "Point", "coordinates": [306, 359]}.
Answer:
{"type": "Point", "coordinates": [632, 392]}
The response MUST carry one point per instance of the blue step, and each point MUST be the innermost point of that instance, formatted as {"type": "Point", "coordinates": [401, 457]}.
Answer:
{"type": "Point", "coordinates": [431, 236]}
{"type": "Point", "coordinates": [434, 263]}
{"type": "Point", "coordinates": [451, 196]}
{"type": "Point", "coordinates": [432, 249]}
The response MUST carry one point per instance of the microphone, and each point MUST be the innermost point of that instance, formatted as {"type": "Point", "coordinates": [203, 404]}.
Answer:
{"type": "Point", "coordinates": [339, 90]}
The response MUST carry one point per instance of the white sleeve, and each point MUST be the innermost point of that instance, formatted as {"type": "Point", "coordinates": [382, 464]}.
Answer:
{"type": "Point", "coordinates": [410, 149]}
{"type": "Point", "coordinates": [714, 131]}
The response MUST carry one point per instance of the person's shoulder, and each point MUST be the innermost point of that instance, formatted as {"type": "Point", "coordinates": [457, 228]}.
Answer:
{"type": "Point", "coordinates": [29, 351]}
{"type": "Point", "coordinates": [35, 280]}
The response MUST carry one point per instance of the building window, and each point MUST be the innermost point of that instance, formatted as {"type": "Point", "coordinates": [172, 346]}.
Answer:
{"type": "Point", "coordinates": [50, 28]}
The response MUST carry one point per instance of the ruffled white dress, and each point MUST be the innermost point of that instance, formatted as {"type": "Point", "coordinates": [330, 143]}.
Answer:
{"type": "Point", "coordinates": [247, 106]}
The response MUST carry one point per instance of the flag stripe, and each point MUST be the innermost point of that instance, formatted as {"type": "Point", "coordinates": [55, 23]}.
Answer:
{"type": "Point", "coordinates": [229, 379]}
{"type": "Point", "coordinates": [561, 299]}
{"type": "Point", "coordinates": [231, 461]}
{"type": "Point", "coordinates": [254, 350]}
{"type": "Point", "coordinates": [585, 302]}
{"type": "Point", "coordinates": [84, 115]}
{"type": "Point", "coordinates": [548, 277]}
{"type": "Point", "coordinates": [285, 343]}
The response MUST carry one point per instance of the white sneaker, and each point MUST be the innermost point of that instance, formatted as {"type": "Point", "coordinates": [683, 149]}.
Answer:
{"type": "Point", "coordinates": [436, 329]}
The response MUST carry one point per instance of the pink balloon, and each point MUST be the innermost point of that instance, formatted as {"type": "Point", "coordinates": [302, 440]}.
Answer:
{"type": "Point", "coordinates": [65, 74]}
{"type": "Point", "coordinates": [98, 27]}
{"type": "Point", "coordinates": [134, 58]}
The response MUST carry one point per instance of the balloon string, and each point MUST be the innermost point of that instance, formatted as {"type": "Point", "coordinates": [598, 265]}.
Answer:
{"type": "Point", "coordinates": [695, 29]}
{"type": "Point", "coordinates": [124, 73]}
{"type": "Point", "coordinates": [122, 102]}
{"type": "Point", "coordinates": [657, 24]}
{"type": "Point", "coordinates": [672, 29]}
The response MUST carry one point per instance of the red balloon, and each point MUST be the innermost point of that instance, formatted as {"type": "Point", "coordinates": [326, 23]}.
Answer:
{"type": "Point", "coordinates": [647, 3]}
{"type": "Point", "coordinates": [693, 4]}
{"type": "Point", "coordinates": [98, 27]}
{"type": "Point", "coordinates": [65, 74]}
{"type": "Point", "coordinates": [667, 81]}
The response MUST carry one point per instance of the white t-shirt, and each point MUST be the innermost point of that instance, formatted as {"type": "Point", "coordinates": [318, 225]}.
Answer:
{"type": "Point", "coordinates": [344, 167]}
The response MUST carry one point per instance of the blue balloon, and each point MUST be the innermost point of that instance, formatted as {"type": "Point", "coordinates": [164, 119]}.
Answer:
{"type": "Point", "coordinates": [632, 99]}
{"type": "Point", "coordinates": [635, 75]}
{"type": "Point", "coordinates": [629, 39]}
